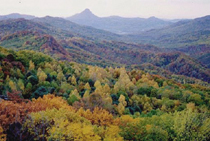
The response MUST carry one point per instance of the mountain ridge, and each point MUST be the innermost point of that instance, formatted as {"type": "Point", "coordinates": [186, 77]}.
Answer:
{"type": "Point", "coordinates": [168, 36]}
{"type": "Point", "coordinates": [82, 31]}
{"type": "Point", "coordinates": [116, 24]}
{"type": "Point", "coordinates": [16, 16]}
{"type": "Point", "coordinates": [85, 14]}
{"type": "Point", "coordinates": [101, 47]}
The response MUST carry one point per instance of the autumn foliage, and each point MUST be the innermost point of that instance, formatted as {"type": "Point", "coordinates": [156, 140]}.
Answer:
{"type": "Point", "coordinates": [44, 99]}
{"type": "Point", "coordinates": [99, 116]}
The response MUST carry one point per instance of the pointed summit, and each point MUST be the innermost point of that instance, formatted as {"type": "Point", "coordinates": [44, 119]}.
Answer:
{"type": "Point", "coordinates": [86, 14]}
{"type": "Point", "coordinates": [87, 11]}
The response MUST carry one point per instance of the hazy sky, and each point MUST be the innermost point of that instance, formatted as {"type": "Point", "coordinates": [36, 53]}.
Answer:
{"type": "Point", "coordinates": [127, 8]}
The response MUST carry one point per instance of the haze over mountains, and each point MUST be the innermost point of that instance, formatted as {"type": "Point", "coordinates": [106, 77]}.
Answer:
{"type": "Point", "coordinates": [16, 16]}
{"type": "Point", "coordinates": [180, 48]}
{"type": "Point", "coordinates": [117, 24]}
{"type": "Point", "coordinates": [180, 34]}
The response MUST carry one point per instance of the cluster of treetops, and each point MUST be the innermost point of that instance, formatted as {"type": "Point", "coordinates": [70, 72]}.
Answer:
{"type": "Point", "coordinates": [45, 99]}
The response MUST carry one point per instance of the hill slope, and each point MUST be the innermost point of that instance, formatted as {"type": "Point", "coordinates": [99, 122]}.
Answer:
{"type": "Point", "coordinates": [29, 40]}
{"type": "Point", "coordinates": [183, 33]}
{"type": "Point", "coordinates": [66, 45]}
{"type": "Point", "coordinates": [136, 54]}
{"type": "Point", "coordinates": [200, 52]}
{"type": "Point", "coordinates": [81, 31]}
{"type": "Point", "coordinates": [21, 34]}
{"type": "Point", "coordinates": [11, 26]}
{"type": "Point", "coordinates": [16, 16]}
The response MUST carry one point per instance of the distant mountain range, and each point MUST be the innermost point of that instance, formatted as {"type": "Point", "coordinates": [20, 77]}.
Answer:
{"type": "Point", "coordinates": [16, 16]}
{"type": "Point", "coordinates": [81, 31]}
{"type": "Point", "coordinates": [191, 37]}
{"type": "Point", "coordinates": [117, 24]}
{"type": "Point", "coordinates": [180, 34]}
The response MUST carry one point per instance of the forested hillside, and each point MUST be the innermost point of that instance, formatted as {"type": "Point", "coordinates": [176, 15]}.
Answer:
{"type": "Point", "coordinates": [199, 52]}
{"type": "Point", "coordinates": [180, 34]}
{"type": "Point", "coordinates": [65, 40]}
{"type": "Point", "coordinates": [80, 31]}
{"type": "Point", "coordinates": [45, 99]}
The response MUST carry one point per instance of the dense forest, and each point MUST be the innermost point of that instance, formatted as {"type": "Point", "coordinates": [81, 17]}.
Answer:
{"type": "Point", "coordinates": [65, 40]}
{"type": "Point", "coordinates": [45, 99]}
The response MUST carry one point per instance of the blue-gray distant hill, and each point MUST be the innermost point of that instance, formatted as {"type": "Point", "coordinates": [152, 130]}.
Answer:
{"type": "Point", "coordinates": [189, 36]}
{"type": "Point", "coordinates": [180, 34]}
{"type": "Point", "coordinates": [118, 24]}
{"type": "Point", "coordinates": [16, 16]}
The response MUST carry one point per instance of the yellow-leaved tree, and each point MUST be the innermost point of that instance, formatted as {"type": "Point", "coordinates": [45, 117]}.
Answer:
{"type": "Point", "coordinates": [41, 75]}
{"type": "Point", "coordinates": [12, 85]}
{"type": "Point", "coordinates": [121, 105]}
{"type": "Point", "coordinates": [106, 89]}
{"type": "Point", "coordinates": [124, 83]}
{"type": "Point", "coordinates": [60, 124]}
{"type": "Point", "coordinates": [147, 80]}
{"type": "Point", "coordinates": [61, 76]}
{"type": "Point", "coordinates": [87, 86]}
{"type": "Point", "coordinates": [76, 93]}
{"type": "Point", "coordinates": [31, 65]}
{"type": "Point", "coordinates": [86, 94]}
{"type": "Point", "coordinates": [21, 84]}
{"type": "Point", "coordinates": [73, 80]}
{"type": "Point", "coordinates": [2, 135]}
{"type": "Point", "coordinates": [191, 125]}
{"type": "Point", "coordinates": [99, 116]}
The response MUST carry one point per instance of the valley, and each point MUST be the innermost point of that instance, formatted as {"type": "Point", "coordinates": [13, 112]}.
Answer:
{"type": "Point", "coordinates": [66, 40]}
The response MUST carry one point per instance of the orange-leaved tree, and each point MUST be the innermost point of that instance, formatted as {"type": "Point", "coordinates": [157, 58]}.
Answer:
{"type": "Point", "coordinates": [13, 111]}
{"type": "Point", "coordinates": [99, 116]}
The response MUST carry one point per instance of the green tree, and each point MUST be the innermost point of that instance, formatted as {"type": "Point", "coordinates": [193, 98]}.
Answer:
{"type": "Point", "coordinates": [21, 84]}
{"type": "Point", "coordinates": [191, 126]}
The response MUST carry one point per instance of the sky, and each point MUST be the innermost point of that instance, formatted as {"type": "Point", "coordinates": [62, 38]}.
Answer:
{"type": "Point", "coordinates": [167, 9]}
